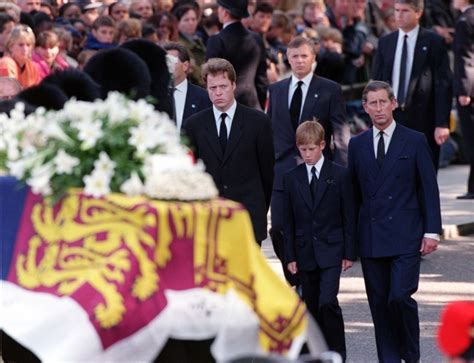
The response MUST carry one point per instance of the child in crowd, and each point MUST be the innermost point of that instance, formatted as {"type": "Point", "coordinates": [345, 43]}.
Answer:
{"type": "Point", "coordinates": [319, 230]}
{"type": "Point", "coordinates": [102, 35]}
{"type": "Point", "coordinates": [46, 54]}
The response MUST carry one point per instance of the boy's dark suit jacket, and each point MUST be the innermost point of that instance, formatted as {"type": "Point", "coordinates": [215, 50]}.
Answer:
{"type": "Point", "coordinates": [245, 172]}
{"type": "Point", "coordinates": [197, 99]}
{"type": "Point", "coordinates": [429, 95]}
{"type": "Point", "coordinates": [245, 50]}
{"type": "Point", "coordinates": [319, 233]}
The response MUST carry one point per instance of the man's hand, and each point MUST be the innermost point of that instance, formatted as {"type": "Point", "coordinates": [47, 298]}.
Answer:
{"type": "Point", "coordinates": [441, 134]}
{"type": "Point", "coordinates": [346, 264]}
{"type": "Point", "coordinates": [464, 100]}
{"type": "Point", "coordinates": [428, 245]}
{"type": "Point", "coordinates": [292, 267]}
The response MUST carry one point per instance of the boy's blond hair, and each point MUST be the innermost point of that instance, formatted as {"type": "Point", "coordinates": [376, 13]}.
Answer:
{"type": "Point", "coordinates": [309, 132]}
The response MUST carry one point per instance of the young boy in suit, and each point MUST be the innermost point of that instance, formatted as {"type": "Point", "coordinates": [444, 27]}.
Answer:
{"type": "Point", "coordinates": [319, 230]}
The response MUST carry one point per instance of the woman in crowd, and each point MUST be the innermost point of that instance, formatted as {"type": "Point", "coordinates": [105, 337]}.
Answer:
{"type": "Point", "coordinates": [166, 27]}
{"type": "Point", "coordinates": [118, 11]}
{"type": "Point", "coordinates": [188, 19]}
{"type": "Point", "coordinates": [17, 62]}
{"type": "Point", "coordinates": [128, 29]}
{"type": "Point", "coordinates": [46, 55]}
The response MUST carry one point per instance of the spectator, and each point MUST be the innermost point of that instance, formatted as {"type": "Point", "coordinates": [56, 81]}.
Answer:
{"type": "Point", "coordinates": [166, 27]}
{"type": "Point", "coordinates": [65, 46]}
{"type": "Point", "coordinates": [17, 61]}
{"type": "Point", "coordinates": [142, 8]}
{"type": "Point", "coordinates": [118, 11]}
{"type": "Point", "coordinates": [90, 12]}
{"type": "Point", "coordinates": [46, 54]}
{"type": "Point", "coordinates": [314, 13]}
{"type": "Point", "coordinates": [9, 87]}
{"type": "Point", "coordinates": [11, 9]}
{"type": "Point", "coordinates": [128, 29]}
{"type": "Point", "coordinates": [29, 5]}
{"type": "Point", "coordinates": [102, 35]}
{"type": "Point", "coordinates": [262, 19]}
{"type": "Point", "coordinates": [187, 16]}
{"type": "Point", "coordinates": [6, 25]}
{"type": "Point", "coordinates": [70, 11]}
{"type": "Point", "coordinates": [330, 57]}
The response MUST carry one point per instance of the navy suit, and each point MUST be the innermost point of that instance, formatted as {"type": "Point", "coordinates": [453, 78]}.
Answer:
{"type": "Point", "coordinates": [325, 103]}
{"type": "Point", "coordinates": [197, 99]}
{"type": "Point", "coordinates": [244, 173]}
{"type": "Point", "coordinates": [429, 94]}
{"type": "Point", "coordinates": [397, 204]}
{"type": "Point", "coordinates": [318, 235]}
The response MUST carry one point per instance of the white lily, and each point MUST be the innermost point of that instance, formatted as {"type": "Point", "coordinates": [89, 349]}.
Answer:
{"type": "Point", "coordinates": [65, 163]}
{"type": "Point", "coordinates": [132, 186]}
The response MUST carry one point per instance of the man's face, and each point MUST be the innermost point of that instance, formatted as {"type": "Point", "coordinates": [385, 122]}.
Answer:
{"type": "Point", "coordinates": [7, 28]}
{"type": "Point", "coordinates": [262, 22]}
{"type": "Point", "coordinates": [301, 60]}
{"type": "Point", "coordinates": [180, 68]}
{"type": "Point", "coordinates": [221, 90]}
{"type": "Point", "coordinates": [104, 34]}
{"type": "Point", "coordinates": [341, 7]}
{"type": "Point", "coordinates": [380, 108]}
{"type": "Point", "coordinates": [311, 153]}
{"type": "Point", "coordinates": [89, 16]}
{"type": "Point", "coordinates": [29, 5]}
{"type": "Point", "coordinates": [142, 8]}
{"type": "Point", "coordinates": [406, 17]}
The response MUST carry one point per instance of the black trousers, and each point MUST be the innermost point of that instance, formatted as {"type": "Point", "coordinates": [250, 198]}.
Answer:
{"type": "Point", "coordinates": [466, 118]}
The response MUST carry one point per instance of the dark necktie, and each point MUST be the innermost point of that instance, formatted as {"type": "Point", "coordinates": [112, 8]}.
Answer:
{"type": "Point", "coordinates": [295, 105]}
{"type": "Point", "coordinates": [403, 72]}
{"type": "Point", "coordinates": [223, 133]}
{"type": "Point", "coordinates": [313, 185]}
{"type": "Point", "coordinates": [380, 149]}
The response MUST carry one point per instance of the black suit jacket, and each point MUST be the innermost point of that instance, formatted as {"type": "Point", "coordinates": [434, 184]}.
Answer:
{"type": "Point", "coordinates": [429, 96]}
{"type": "Point", "coordinates": [320, 232]}
{"type": "Point", "coordinates": [246, 51]}
{"type": "Point", "coordinates": [245, 172]}
{"type": "Point", "coordinates": [325, 103]}
{"type": "Point", "coordinates": [197, 99]}
{"type": "Point", "coordinates": [464, 54]}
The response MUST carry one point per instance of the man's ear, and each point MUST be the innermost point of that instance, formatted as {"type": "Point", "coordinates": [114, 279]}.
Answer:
{"type": "Point", "coordinates": [186, 66]}
{"type": "Point", "coordinates": [94, 33]}
{"type": "Point", "coordinates": [322, 144]}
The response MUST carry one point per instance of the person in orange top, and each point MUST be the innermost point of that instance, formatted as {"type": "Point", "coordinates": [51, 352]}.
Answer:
{"type": "Point", "coordinates": [17, 61]}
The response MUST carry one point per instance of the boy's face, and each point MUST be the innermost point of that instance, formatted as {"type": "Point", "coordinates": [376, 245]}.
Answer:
{"type": "Point", "coordinates": [311, 153]}
{"type": "Point", "coordinates": [104, 34]}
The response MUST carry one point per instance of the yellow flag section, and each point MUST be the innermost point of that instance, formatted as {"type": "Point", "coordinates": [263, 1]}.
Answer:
{"type": "Point", "coordinates": [226, 256]}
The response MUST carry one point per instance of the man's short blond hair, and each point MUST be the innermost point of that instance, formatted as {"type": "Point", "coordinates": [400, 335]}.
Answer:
{"type": "Point", "coordinates": [309, 132]}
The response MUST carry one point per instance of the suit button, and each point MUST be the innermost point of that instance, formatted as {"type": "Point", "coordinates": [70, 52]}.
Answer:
{"type": "Point", "coordinates": [390, 218]}
{"type": "Point", "coordinates": [390, 197]}
{"type": "Point", "coordinates": [372, 219]}
{"type": "Point", "coordinates": [315, 238]}
{"type": "Point", "coordinates": [225, 187]}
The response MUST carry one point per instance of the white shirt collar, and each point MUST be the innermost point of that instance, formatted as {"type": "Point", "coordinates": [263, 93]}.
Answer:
{"type": "Point", "coordinates": [318, 167]}
{"type": "Point", "coordinates": [388, 131]}
{"type": "Point", "coordinates": [306, 80]}
{"type": "Point", "coordinates": [182, 87]}
{"type": "Point", "coordinates": [230, 111]}
{"type": "Point", "coordinates": [225, 25]}
{"type": "Point", "coordinates": [412, 34]}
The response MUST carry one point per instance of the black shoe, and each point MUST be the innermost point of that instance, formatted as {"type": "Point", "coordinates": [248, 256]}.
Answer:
{"type": "Point", "coordinates": [466, 196]}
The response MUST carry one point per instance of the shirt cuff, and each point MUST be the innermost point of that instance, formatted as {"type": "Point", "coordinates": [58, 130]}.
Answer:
{"type": "Point", "coordinates": [432, 236]}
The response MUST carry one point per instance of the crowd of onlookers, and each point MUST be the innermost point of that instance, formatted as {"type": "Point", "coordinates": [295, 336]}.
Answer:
{"type": "Point", "coordinates": [38, 37]}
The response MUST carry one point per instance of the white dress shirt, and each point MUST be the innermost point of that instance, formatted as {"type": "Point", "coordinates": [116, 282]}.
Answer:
{"type": "Point", "coordinates": [318, 166]}
{"type": "Point", "coordinates": [411, 43]}
{"type": "Point", "coordinates": [228, 120]}
{"type": "Point", "coordinates": [179, 96]}
{"type": "Point", "coordinates": [304, 88]}
{"type": "Point", "coordinates": [387, 137]}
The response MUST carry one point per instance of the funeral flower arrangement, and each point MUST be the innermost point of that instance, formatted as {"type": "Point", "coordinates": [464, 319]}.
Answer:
{"type": "Point", "coordinates": [112, 145]}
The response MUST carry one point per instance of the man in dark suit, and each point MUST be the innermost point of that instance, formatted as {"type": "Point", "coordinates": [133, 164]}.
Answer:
{"type": "Point", "coordinates": [188, 98]}
{"type": "Point", "coordinates": [415, 62]}
{"type": "Point", "coordinates": [399, 220]}
{"type": "Point", "coordinates": [464, 82]}
{"type": "Point", "coordinates": [244, 50]}
{"type": "Point", "coordinates": [319, 230]}
{"type": "Point", "coordinates": [303, 96]}
{"type": "Point", "coordinates": [235, 142]}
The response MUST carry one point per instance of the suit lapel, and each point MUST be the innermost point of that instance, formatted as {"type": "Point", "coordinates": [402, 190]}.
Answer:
{"type": "Point", "coordinates": [235, 133]}
{"type": "Point", "coordinates": [324, 177]}
{"type": "Point", "coordinates": [394, 149]}
{"type": "Point", "coordinates": [312, 98]}
{"type": "Point", "coordinates": [302, 177]}
{"type": "Point", "coordinates": [370, 160]}
{"type": "Point", "coordinates": [211, 134]}
{"type": "Point", "coordinates": [419, 58]}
